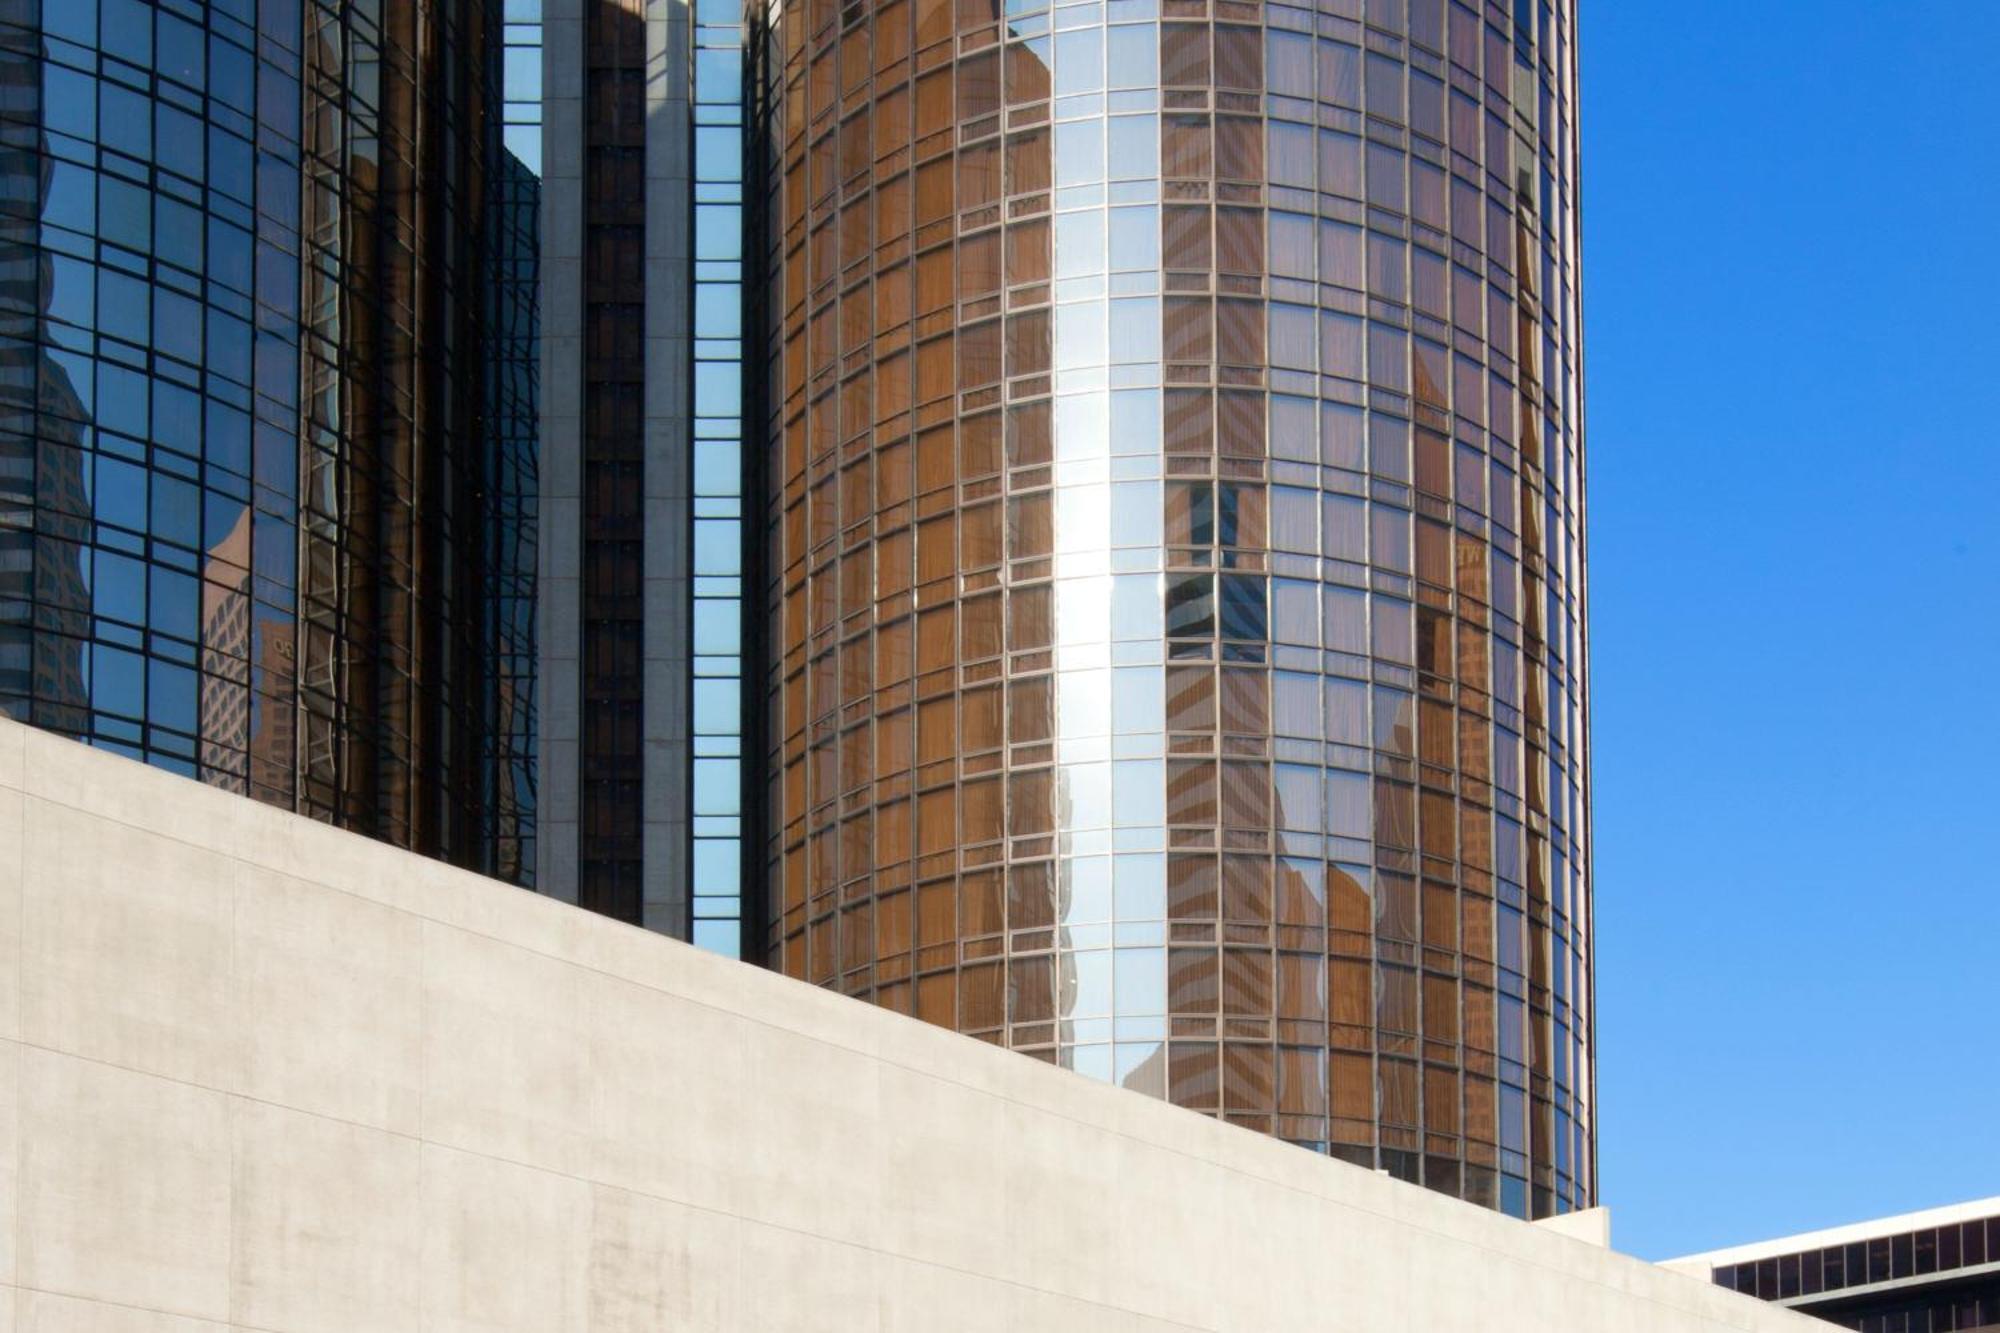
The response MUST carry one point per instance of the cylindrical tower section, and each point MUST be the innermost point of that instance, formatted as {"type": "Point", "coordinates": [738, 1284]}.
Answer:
{"type": "Point", "coordinates": [1172, 459]}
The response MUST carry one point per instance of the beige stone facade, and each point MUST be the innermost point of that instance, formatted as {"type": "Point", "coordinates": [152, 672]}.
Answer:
{"type": "Point", "coordinates": [256, 1073]}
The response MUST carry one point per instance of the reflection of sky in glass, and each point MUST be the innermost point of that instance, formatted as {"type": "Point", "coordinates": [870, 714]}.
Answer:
{"type": "Point", "coordinates": [172, 322]}
{"type": "Point", "coordinates": [1110, 619]}
{"type": "Point", "coordinates": [717, 614]}
{"type": "Point", "coordinates": [1311, 324]}
{"type": "Point", "coordinates": [521, 81]}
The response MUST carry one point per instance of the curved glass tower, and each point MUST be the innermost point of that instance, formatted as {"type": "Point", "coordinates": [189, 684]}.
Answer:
{"type": "Point", "coordinates": [267, 373]}
{"type": "Point", "coordinates": [1173, 476]}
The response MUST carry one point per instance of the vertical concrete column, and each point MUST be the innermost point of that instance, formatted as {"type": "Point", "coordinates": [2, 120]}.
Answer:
{"type": "Point", "coordinates": [669, 360]}
{"type": "Point", "coordinates": [559, 555]}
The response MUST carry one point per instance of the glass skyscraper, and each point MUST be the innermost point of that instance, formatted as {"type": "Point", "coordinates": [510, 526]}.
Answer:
{"type": "Point", "coordinates": [266, 486]}
{"type": "Point", "coordinates": [1171, 483]}
{"type": "Point", "coordinates": [645, 604]}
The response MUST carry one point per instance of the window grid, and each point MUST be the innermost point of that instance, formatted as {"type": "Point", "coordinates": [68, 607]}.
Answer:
{"type": "Point", "coordinates": [717, 790]}
{"type": "Point", "coordinates": [1177, 640]}
{"type": "Point", "coordinates": [1824, 1270]}
{"type": "Point", "coordinates": [242, 512]}
{"type": "Point", "coordinates": [611, 786]}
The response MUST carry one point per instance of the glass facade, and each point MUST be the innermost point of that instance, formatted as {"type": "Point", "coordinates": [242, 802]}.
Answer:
{"type": "Point", "coordinates": [1171, 469]}
{"type": "Point", "coordinates": [611, 780]}
{"type": "Point", "coordinates": [1935, 1279]}
{"type": "Point", "coordinates": [717, 802]}
{"type": "Point", "coordinates": [521, 82]}
{"type": "Point", "coordinates": [512, 438]}
{"type": "Point", "coordinates": [251, 523]}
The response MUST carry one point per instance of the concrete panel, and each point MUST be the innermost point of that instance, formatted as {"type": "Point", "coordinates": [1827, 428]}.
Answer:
{"type": "Point", "coordinates": [376, 872]}
{"type": "Point", "coordinates": [1061, 1251]}
{"type": "Point", "coordinates": [558, 784]}
{"type": "Point", "coordinates": [845, 1137]}
{"type": "Point", "coordinates": [677, 1064]}
{"type": "Point", "coordinates": [10, 1155]}
{"type": "Point", "coordinates": [665, 281]}
{"type": "Point", "coordinates": [556, 859]}
{"type": "Point", "coordinates": [13, 855]}
{"type": "Point", "coordinates": [942, 1205]}
{"type": "Point", "coordinates": [125, 944]}
{"type": "Point", "coordinates": [659, 1265]}
{"type": "Point", "coordinates": [427, 1100]}
{"type": "Point", "coordinates": [505, 1052]}
{"type": "Point", "coordinates": [1163, 1220]}
{"type": "Point", "coordinates": [326, 1228]}
{"type": "Point", "coordinates": [124, 1189]}
{"type": "Point", "coordinates": [666, 356]}
{"type": "Point", "coordinates": [65, 772]}
{"type": "Point", "coordinates": [1029, 1308]}
{"type": "Point", "coordinates": [505, 1247]}
{"type": "Point", "coordinates": [829, 1288]}
{"type": "Point", "coordinates": [558, 592]}
{"type": "Point", "coordinates": [44, 1312]}
{"type": "Point", "coordinates": [13, 743]}
{"type": "Point", "coordinates": [664, 844]}
{"type": "Point", "coordinates": [915, 1292]}
{"type": "Point", "coordinates": [1592, 1225]}
{"type": "Point", "coordinates": [562, 61]}
{"type": "Point", "coordinates": [564, 519]}
{"type": "Point", "coordinates": [329, 991]}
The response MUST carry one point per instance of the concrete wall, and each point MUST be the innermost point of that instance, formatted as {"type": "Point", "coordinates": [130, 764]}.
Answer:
{"type": "Point", "coordinates": [259, 1074]}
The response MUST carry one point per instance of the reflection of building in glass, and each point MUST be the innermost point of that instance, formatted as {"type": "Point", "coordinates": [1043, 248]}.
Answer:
{"type": "Point", "coordinates": [225, 661]}
{"type": "Point", "coordinates": [44, 508]}
{"type": "Point", "coordinates": [1169, 443]}
{"type": "Point", "coordinates": [1936, 1271]}
{"type": "Point", "coordinates": [42, 581]}
{"type": "Point", "coordinates": [249, 499]}
{"type": "Point", "coordinates": [513, 376]}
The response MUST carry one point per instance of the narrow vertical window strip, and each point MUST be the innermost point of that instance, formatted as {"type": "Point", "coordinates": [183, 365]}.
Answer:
{"type": "Point", "coordinates": [611, 789]}
{"type": "Point", "coordinates": [513, 314]}
{"type": "Point", "coordinates": [717, 607]}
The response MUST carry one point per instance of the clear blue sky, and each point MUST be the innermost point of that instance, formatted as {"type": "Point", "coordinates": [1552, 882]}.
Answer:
{"type": "Point", "coordinates": [1792, 286]}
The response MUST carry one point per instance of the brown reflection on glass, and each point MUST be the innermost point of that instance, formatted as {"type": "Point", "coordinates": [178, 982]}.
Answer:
{"type": "Point", "coordinates": [909, 260]}
{"type": "Point", "coordinates": [388, 472]}
{"type": "Point", "coordinates": [225, 661]}
{"type": "Point", "coordinates": [1373, 888]}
